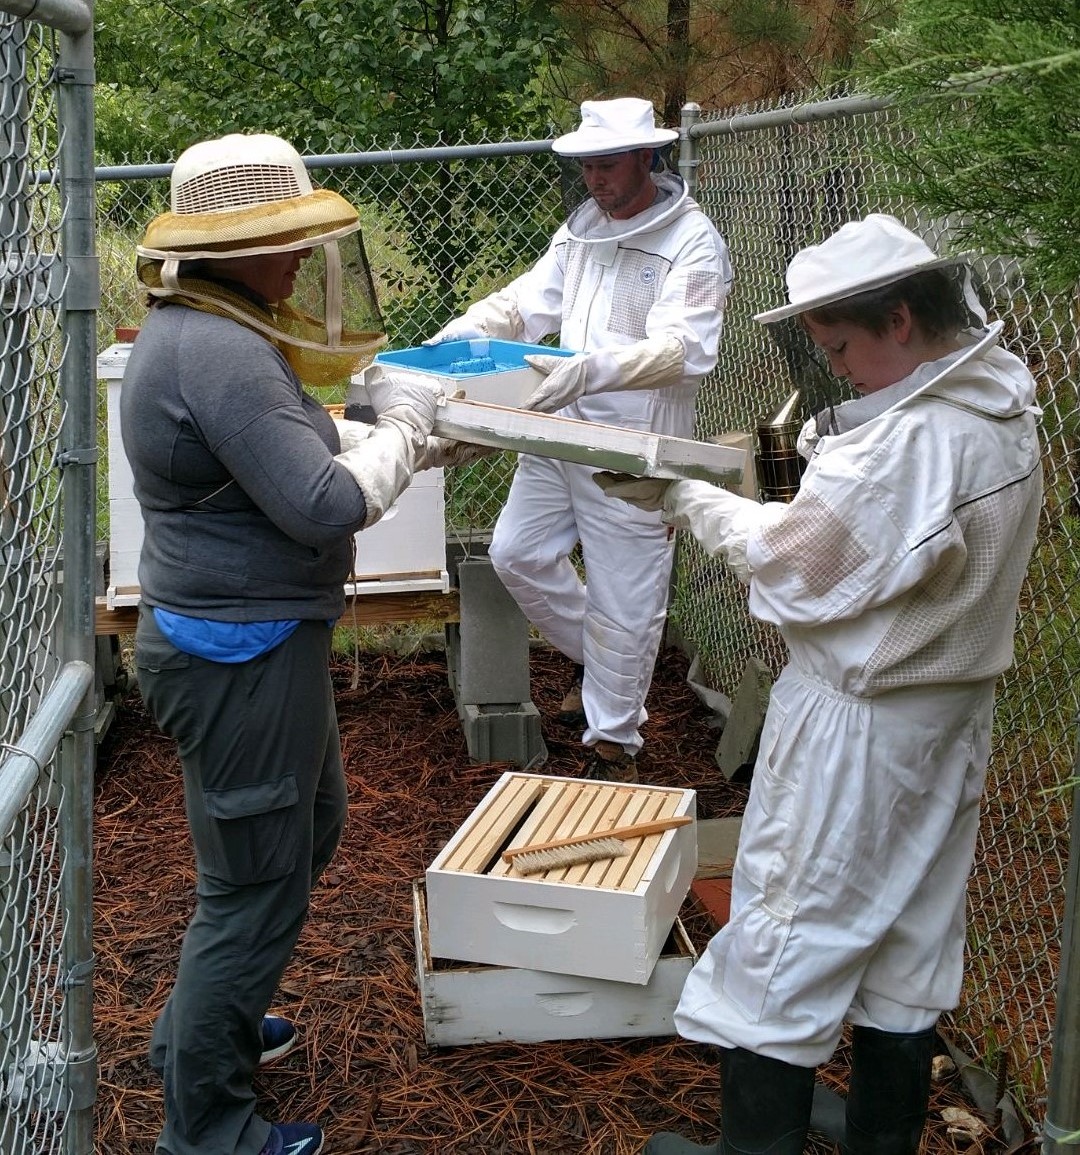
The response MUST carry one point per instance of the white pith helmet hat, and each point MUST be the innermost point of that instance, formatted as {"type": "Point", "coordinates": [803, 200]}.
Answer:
{"type": "Point", "coordinates": [858, 257]}
{"type": "Point", "coordinates": [243, 195]}
{"type": "Point", "coordinates": [611, 126]}
{"type": "Point", "coordinates": [249, 196]}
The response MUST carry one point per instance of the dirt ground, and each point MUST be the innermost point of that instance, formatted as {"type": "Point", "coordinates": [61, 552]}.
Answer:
{"type": "Point", "coordinates": [362, 1069]}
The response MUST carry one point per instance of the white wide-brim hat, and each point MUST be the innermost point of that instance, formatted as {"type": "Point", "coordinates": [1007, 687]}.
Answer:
{"type": "Point", "coordinates": [610, 126]}
{"type": "Point", "coordinates": [859, 256]}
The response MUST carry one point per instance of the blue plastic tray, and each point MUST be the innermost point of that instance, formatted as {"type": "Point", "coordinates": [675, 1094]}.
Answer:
{"type": "Point", "coordinates": [465, 359]}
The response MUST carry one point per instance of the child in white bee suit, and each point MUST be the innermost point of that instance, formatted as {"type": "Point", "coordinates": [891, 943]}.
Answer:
{"type": "Point", "coordinates": [893, 577]}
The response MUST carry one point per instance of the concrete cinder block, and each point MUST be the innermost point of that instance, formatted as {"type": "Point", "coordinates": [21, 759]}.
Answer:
{"type": "Point", "coordinates": [504, 733]}
{"type": "Point", "coordinates": [491, 659]}
{"type": "Point", "coordinates": [738, 743]}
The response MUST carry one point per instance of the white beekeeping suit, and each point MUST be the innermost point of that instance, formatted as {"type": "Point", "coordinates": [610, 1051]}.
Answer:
{"type": "Point", "coordinates": [894, 582]}
{"type": "Point", "coordinates": [641, 298]}
{"type": "Point", "coordinates": [893, 577]}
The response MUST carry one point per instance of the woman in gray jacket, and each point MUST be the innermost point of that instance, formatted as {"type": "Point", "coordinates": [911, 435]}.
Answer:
{"type": "Point", "coordinates": [251, 496]}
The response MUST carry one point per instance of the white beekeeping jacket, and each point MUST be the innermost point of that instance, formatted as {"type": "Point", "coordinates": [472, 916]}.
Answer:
{"type": "Point", "coordinates": [605, 283]}
{"type": "Point", "coordinates": [900, 560]}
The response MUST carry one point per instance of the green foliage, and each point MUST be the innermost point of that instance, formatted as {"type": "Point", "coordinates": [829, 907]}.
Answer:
{"type": "Point", "coordinates": [776, 23]}
{"type": "Point", "coordinates": [989, 95]}
{"type": "Point", "coordinates": [174, 71]}
{"type": "Point", "coordinates": [330, 76]}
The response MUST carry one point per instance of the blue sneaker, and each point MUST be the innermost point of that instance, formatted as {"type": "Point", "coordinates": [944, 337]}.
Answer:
{"type": "Point", "coordinates": [278, 1038]}
{"type": "Point", "coordinates": [293, 1139]}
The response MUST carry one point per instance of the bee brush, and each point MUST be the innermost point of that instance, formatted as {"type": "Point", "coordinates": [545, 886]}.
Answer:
{"type": "Point", "coordinates": [581, 848]}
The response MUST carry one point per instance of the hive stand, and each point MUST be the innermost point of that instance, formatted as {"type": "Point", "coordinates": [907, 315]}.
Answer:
{"type": "Point", "coordinates": [487, 661]}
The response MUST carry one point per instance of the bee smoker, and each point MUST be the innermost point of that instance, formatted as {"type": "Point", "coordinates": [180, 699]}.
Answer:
{"type": "Point", "coordinates": [779, 464]}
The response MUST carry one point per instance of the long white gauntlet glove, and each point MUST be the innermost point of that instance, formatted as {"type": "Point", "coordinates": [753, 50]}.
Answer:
{"type": "Point", "coordinates": [721, 521]}
{"type": "Point", "coordinates": [381, 464]}
{"type": "Point", "coordinates": [649, 364]}
{"type": "Point", "coordinates": [459, 329]}
{"type": "Point", "coordinates": [494, 316]}
{"type": "Point", "coordinates": [352, 433]}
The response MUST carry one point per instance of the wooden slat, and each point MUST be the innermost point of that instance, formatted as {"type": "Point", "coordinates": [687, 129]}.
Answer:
{"type": "Point", "coordinates": [642, 854]}
{"type": "Point", "coordinates": [488, 829]}
{"type": "Point", "coordinates": [610, 873]}
{"type": "Point", "coordinates": [615, 802]}
{"type": "Point", "coordinates": [572, 808]}
{"type": "Point", "coordinates": [369, 609]}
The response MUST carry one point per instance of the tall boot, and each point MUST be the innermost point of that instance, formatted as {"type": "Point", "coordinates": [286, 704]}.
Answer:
{"type": "Point", "coordinates": [890, 1091]}
{"type": "Point", "coordinates": [764, 1109]}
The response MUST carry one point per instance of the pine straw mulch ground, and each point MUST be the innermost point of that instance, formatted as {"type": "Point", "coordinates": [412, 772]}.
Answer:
{"type": "Point", "coordinates": [362, 1069]}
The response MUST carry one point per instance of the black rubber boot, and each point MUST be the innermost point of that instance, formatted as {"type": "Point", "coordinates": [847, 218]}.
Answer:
{"type": "Point", "coordinates": [764, 1109]}
{"type": "Point", "coordinates": [890, 1091]}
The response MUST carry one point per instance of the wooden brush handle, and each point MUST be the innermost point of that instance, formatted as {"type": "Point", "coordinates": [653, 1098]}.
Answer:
{"type": "Point", "coordinates": [638, 830]}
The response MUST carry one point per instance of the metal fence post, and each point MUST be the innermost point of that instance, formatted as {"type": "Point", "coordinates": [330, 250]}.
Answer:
{"type": "Point", "coordinates": [688, 147]}
{"type": "Point", "coordinates": [1061, 1129]}
{"type": "Point", "coordinates": [75, 103]}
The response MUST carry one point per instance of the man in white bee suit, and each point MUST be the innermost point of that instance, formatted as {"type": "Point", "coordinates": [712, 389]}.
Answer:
{"type": "Point", "coordinates": [635, 281]}
{"type": "Point", "coordinates": [893, 577]}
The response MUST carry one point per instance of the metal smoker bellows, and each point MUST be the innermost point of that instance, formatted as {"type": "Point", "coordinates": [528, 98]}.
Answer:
{"type": "Point", "coordinates": [779, 464]}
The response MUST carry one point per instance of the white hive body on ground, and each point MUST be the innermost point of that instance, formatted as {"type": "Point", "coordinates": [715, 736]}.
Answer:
{"type": "Point", "coordinates": [592, 950]}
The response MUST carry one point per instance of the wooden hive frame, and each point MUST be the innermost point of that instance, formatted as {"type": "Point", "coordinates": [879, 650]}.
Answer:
{"type": "Point", "coordinates": [529, 809]}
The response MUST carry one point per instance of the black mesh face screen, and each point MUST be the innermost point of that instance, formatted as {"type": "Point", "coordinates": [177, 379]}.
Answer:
{"type": "Point", "coordinates": [807, 367]}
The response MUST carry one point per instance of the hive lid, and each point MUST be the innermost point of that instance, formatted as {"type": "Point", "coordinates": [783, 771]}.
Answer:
{"type": "Point", "coordinates": [611, 447]}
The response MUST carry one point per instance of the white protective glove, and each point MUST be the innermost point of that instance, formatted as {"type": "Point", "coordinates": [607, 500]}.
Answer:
{"type": "Point", "coordinates": [649, 364]}
{"type": "Point", "coordinates": [459, 329]}
{"type": "Point", "coordinates": [352, 433]}
{"type": "Point", "coordinates": [496, 316]}
{"type": "Point", "coordinates": [443, 453]}
{"type": "Point", "coordinates": [721, 521]}
{"type": "Point", "coordinates": [381, 463]}
{"type": "Point", "coordinates": [646, 493]}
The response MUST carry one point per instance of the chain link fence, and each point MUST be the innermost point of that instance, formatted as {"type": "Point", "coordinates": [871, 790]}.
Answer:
{"type": "Point", "coordinates": [46, 1053]}
{"type": "Point", "coordinates": [773, 179]}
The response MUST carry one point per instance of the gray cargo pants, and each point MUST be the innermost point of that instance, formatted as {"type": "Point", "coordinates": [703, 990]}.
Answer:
{"type": "Point", "coordinates": [265, 794]}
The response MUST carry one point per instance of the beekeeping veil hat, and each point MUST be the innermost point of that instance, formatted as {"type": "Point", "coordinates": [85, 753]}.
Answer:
{"type": "Point", "coordinates": [611, 126]}
{"type": "Point", "coordinates": [859, 257]}
{"type": "Point", "coordinates": [608, 127]}
{"type": "Point", "coordinates": [246, 195]}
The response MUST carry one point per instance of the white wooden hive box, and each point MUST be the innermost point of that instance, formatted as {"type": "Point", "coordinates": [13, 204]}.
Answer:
{"type": "Point", "coordinates": [473, 1003]}
{"type": "Point", "coordinates": [603, 920]}
{"type": "Point", "coordinates": [488, 415]}
{"type": "Point", "coordinates": [403, 552]}
{"type": "Point", "coordinates": [609, 447]}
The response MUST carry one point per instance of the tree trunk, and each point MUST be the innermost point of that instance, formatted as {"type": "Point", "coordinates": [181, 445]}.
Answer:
{"type": "Point", "coordinates": [678, 40]}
